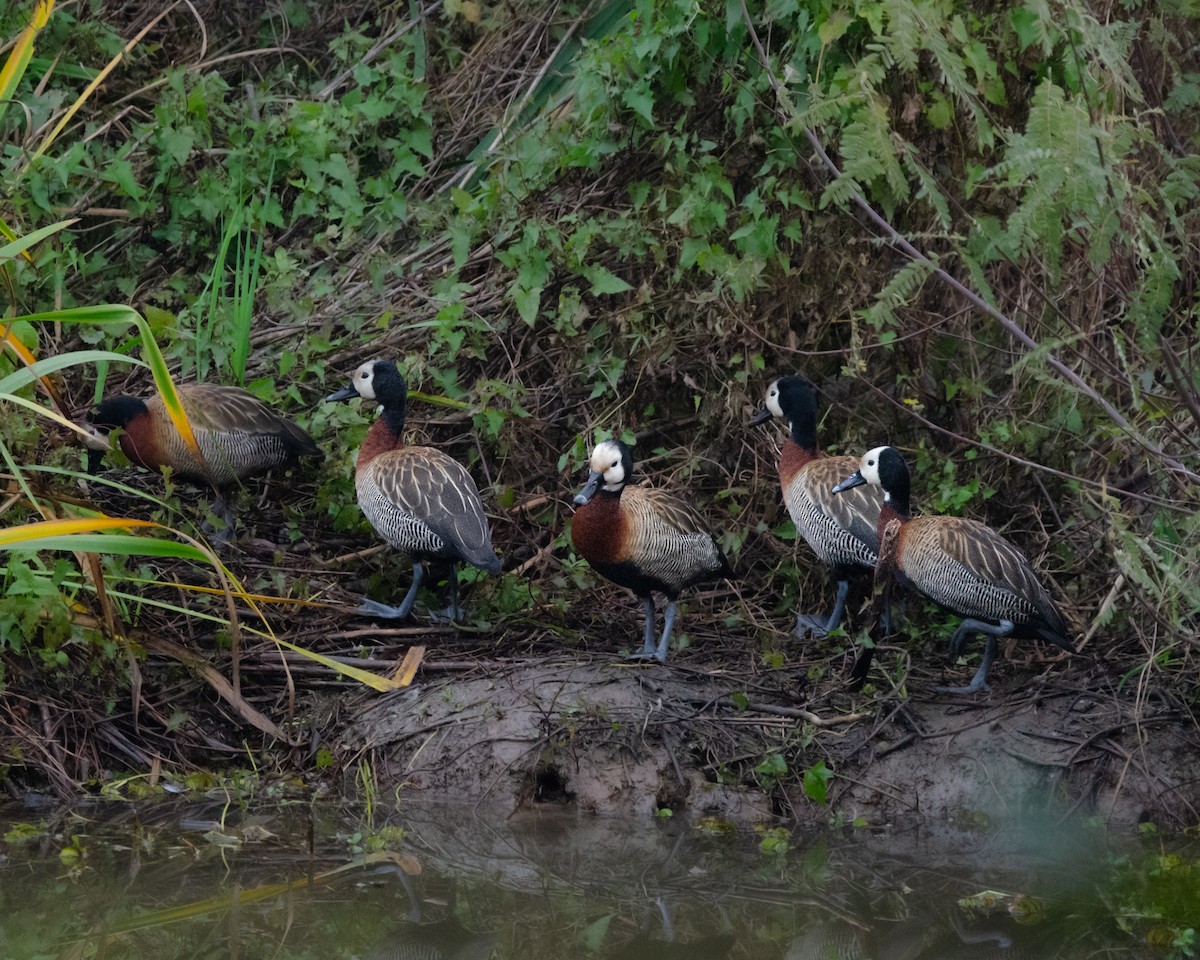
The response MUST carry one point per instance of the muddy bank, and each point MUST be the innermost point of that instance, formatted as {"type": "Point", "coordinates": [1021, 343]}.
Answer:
{"type": "Point", "coordinates": [608, 737]}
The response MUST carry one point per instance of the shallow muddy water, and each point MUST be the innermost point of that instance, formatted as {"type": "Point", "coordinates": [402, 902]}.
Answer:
{"type": "Point", "coordinates": [457, 883]}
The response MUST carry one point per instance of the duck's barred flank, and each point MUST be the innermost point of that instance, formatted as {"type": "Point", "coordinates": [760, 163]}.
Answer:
{"type": "Point", "coordinates": [667, 542]}
{"type": "Point", "coordinates": [842, 531]}
{"type": "Point", "coordinates": [425, 504]}
{"type": "Point", "coordinates": [967, 567]}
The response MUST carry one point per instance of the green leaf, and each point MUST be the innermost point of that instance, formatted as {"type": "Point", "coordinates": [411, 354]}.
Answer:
{"type": "Point", "coordinates": [528, 301]}
{"type": "Point", "coordinates": [606, 282]}
{"type": "Point", "coordinates": [178, 144]}
{"type": "Point", "coordinates": [595, 932]}
{"type": "Point", "coordinates": [127, 544]}
{"type": "Point", "coordinates": [1027, 25]}
{"type": "Point", "coordinates": [833, 28]}
{"type": "Point", "coordinates": [940, 113]}
{"type": "Point", "coordinates": [640, 102]}
{"type": "Point", "coordinates": [23, 243]}
{"type": "Point", "coordinates": [816, 782]}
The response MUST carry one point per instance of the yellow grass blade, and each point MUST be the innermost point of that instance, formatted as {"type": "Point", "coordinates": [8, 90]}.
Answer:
{"type": "Point", "coordinates": [86, 435]}
{"type": "Point", "coordinates": [18, 59]}
{"type": "Point", "coordinates": [107, 314]}
{"type": "Point", "coordinates": [61, 361]}
{"type": "Point", "coordinates": [90, 88]}
{"type": "Point", "coordinates": [408, 668]}
{"type": "Point", "coordinates": [18, 245]}
{"type": "Point", "coordinates": [11, 341]}
{"type": "Point", "coordinates": [375, 682]}
{"type": "Point", "coordinates": [173, 403]}
{"type": "Point", "coordinates": [6, 231]}
{"type": "Point", "coordinates": [28, 532]}
{"type": "Point", "coordinates": [155, 918]}
{"type": "Point", "coordinates": [257, 597]}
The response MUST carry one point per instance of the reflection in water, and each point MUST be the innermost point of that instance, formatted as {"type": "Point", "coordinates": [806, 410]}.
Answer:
{"type": "Point", "coordinates": [419, 939]}
{"type": "Point", "coordinates": [830, 941]}
{"type": "Point", "coordinates": [443, 940]}
{"type": "Point", "coordinates": [840, 940]}
{"type": "Point", "coordinates": [647, 946]}
{"type": "Point", "coordinates": [286, 884]}
{"type": "Point", "coordinates": [937, 935]}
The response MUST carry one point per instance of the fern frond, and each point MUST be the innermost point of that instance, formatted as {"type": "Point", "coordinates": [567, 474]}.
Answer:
{"type": "Point", "coordinates": [899, 291]}
{"type": "Point", "coordinates": [904, 37]}
{"type": "Point", "coordinates": [928, 189]}
{"type": "Point", "coordinates": [868, 153]}
{"type": "Point", "coordinates": [822, 111]}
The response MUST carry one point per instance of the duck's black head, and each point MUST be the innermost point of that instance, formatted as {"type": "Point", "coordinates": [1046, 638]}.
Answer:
{"type": "Point", "coordinates": [116, 412]}
{"type": "Point", "coordinates": [794, 399]}
{"type": "Point", "coordinates": [884, 467]}
{"type": "Point", "coordinates": [108, 415]}
{"type": "Point", "coordinates": [377, 380]}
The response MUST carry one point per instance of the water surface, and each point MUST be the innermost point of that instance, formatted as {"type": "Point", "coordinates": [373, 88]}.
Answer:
{"type": "Point", "coordinates": [446, 882]}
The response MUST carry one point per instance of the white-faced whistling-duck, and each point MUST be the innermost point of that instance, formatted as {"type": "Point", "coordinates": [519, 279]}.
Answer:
{"type": "Point", "coordinates": [642, 539]}
{"type": "Point", "coordinates": [842, 531]}
{"type": "Point", "coordinates": [961, 564]}
{"type": "Point", "coordinates": [421, 501]}
{"type": "Point", "coordinates": [238, 435]}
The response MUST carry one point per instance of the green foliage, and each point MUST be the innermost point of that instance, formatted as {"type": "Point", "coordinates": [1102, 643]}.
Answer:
{"type": "Point", "coordinates": [1157, 898]}
{"type": "Point", "coordinates": [775, 842]}
{"type": "Point", "coordinates": [32, 611]}
{"type": "Point", "coordinates": [771, 770]}
{"type": "Point", "coordinates": [816, 782]}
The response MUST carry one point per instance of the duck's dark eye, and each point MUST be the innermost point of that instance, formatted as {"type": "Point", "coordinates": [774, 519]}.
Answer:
{"type": "Point", "coordinates": [365, 374]}
{"type": "Point", "coordinates": [870, 463]}
{"type": "Point", "coordinates": [616, 463]}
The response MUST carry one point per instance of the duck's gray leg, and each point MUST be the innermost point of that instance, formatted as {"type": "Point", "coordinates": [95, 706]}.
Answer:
{"type": "Point", "coordinates": [373, 608]}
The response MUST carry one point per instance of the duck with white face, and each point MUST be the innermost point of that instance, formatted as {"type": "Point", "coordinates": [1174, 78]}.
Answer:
{"type": "Point", "coordinates": [645, 540]}
{"type": "Point", "coordinates": [961, 564]}
{"type": "Point", "coordinates": [420, 500]}
{"type": "Point", "coordinates": [842, 531]}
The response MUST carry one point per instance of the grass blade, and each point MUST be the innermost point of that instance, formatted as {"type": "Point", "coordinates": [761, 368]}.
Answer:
{"type": "Point", "coordinates": [74, 108]}
{"type": "Point", "coordinates": [18, 245]}
{"type": "Point", "coordinates": [27, 534]}
{"type": "Point", "coordinates": [18, 59]}
{"type": "Point", "coordinates": [365, 677]}
{"type": "Point", "coordinates": [40, 368]}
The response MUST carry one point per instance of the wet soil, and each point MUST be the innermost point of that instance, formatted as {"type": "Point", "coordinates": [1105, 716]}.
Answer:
{"type": "Point", "coordinates": [609, 736]}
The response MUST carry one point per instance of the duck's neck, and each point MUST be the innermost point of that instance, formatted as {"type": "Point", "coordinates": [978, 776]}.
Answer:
{"type": "Point", "coordinates": [804, 433]}
{"type": "Point", "coordinates": [386, 433]}
{"type": "Point", "coordinates": [800, 447]}
{"type": "Point", "coordinates": [895, 507]}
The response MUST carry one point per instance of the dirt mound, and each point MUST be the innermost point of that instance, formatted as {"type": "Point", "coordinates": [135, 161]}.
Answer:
{"type": "Point", "coordinates": [615, 738]}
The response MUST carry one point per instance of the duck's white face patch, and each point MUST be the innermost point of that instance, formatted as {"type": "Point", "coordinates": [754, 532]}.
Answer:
{"type": "Point", "coordinates": [95, 438]}
{"type": "Point", "coordinates": [364, 380]}
{"type": "Point", "coordinates": [773, 400]}
{"type": "Point", "coordinates": [869, 467]}
{"type": "Point", "coordinates": [606, 461]}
